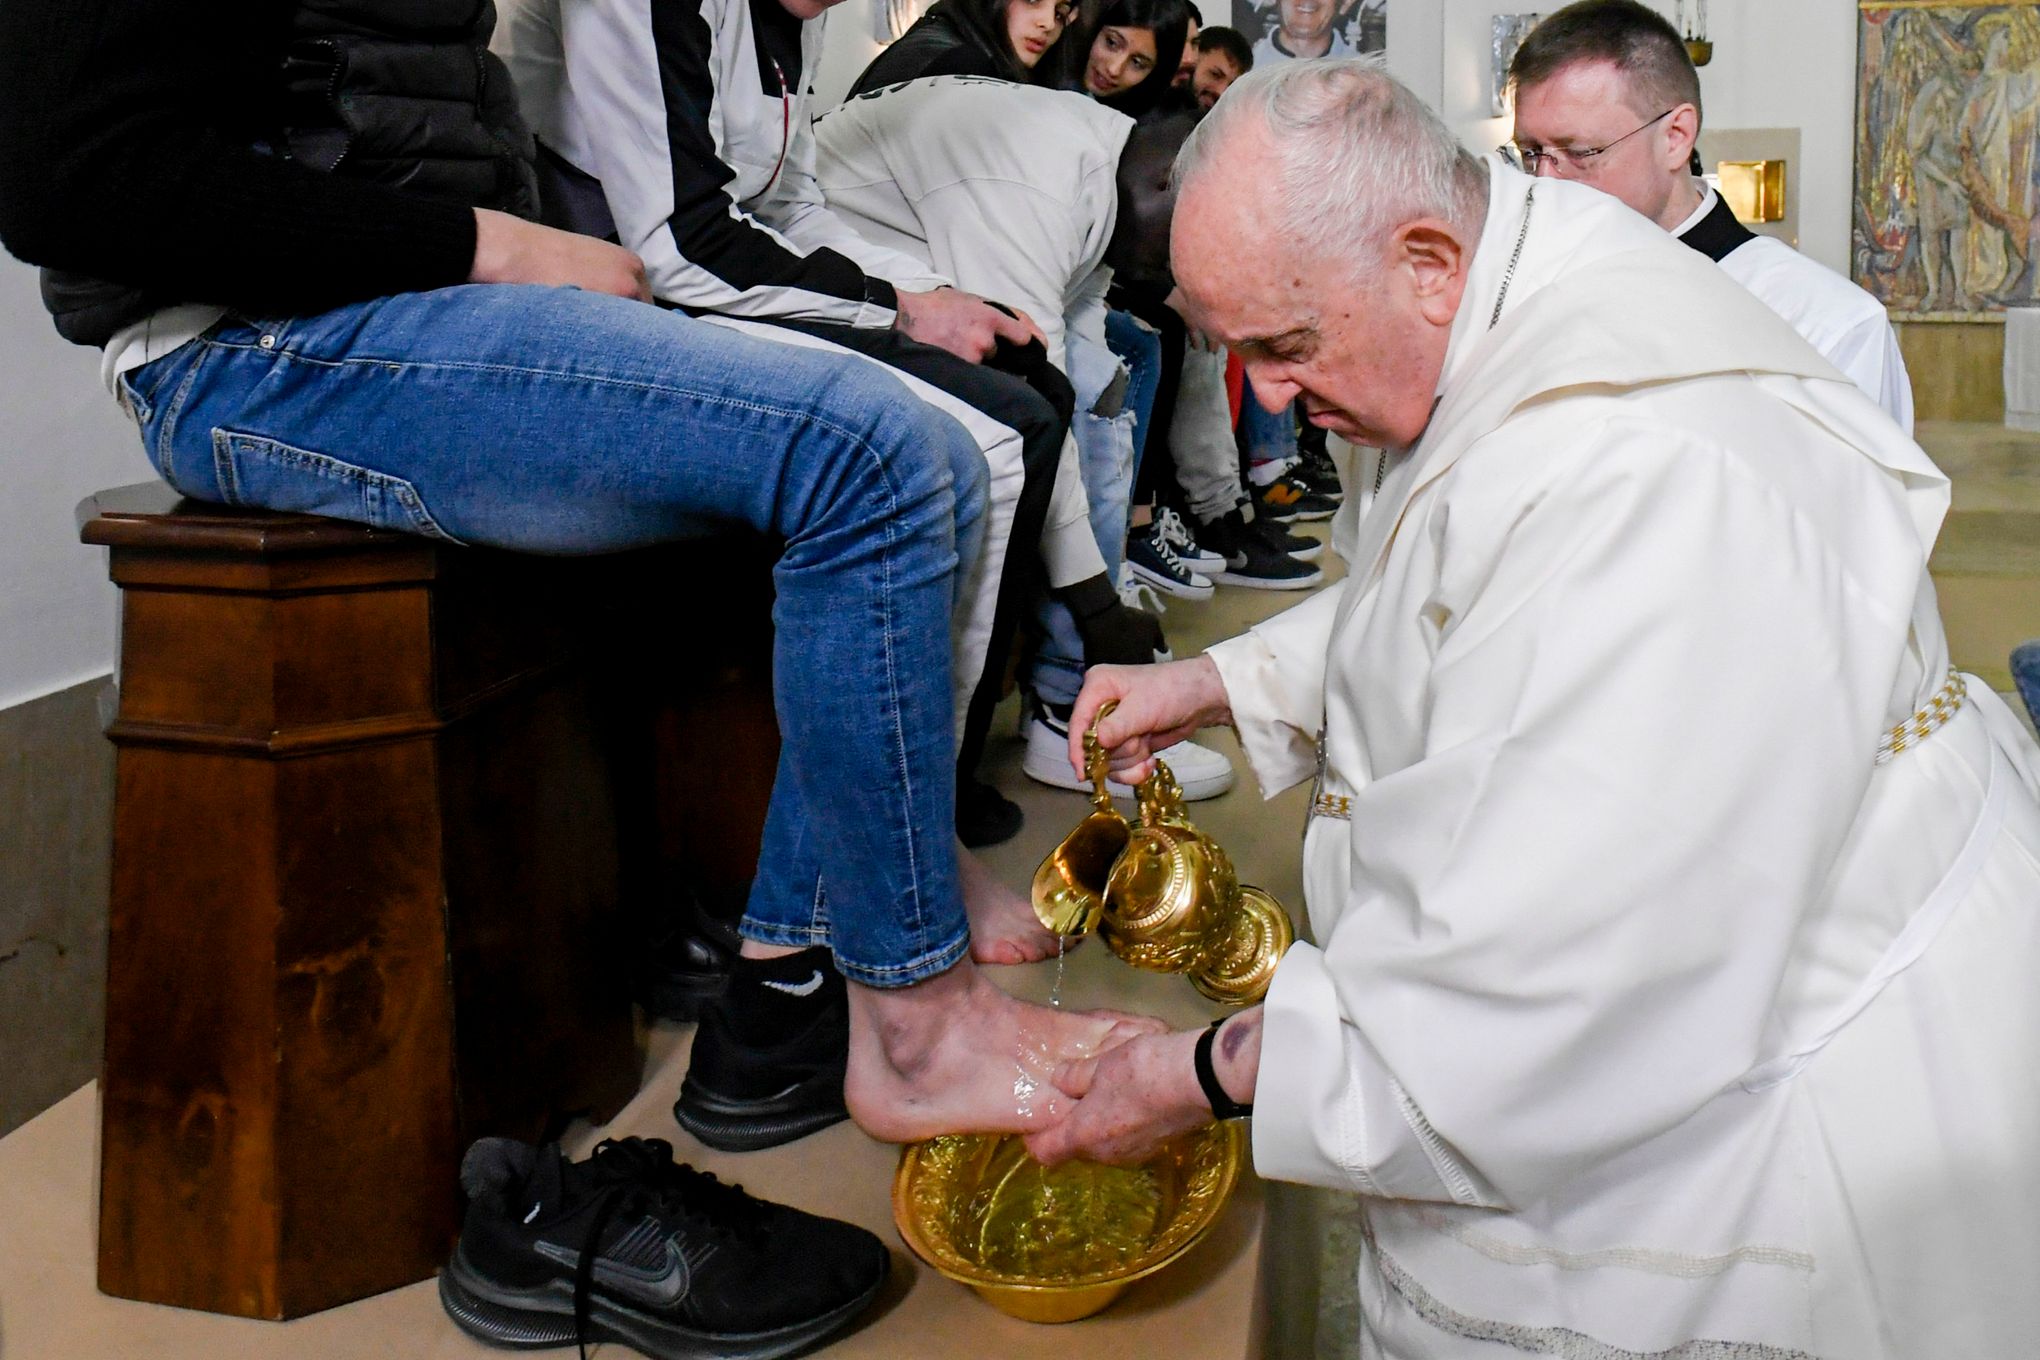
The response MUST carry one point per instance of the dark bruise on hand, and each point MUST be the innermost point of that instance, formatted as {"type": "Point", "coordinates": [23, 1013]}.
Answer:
{"type": "Point", "coordinates": [1233, 1037]}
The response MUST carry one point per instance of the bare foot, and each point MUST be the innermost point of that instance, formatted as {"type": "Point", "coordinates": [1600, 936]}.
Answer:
{"type": "Point", "coordinates": [1003, 926]}
{"type": "Point", "coordinates": [955, 1054]}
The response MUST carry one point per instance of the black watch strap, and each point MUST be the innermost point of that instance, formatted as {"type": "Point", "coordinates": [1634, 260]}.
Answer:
{"type": "Point", "coordinates": [1223, 1106]}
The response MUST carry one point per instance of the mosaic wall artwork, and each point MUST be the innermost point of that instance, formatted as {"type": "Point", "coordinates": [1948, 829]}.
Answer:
{"type": "Point", "coordinates": [1947, 203]}
{"type": "Point", "coordinates": [1281, 29]}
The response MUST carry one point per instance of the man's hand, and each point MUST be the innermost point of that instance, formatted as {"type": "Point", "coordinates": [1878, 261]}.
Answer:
{"type": "Point", "coordinates": [511, 250]}
{"type": "Point", "coordinates": [962, 323]}
{"type": "Point", "coordinates": [1138, 1095]}
{"type": "Point", "coordinates": [1158, 707]}
{"type": "Point", "coordinates": [1133, 1098]}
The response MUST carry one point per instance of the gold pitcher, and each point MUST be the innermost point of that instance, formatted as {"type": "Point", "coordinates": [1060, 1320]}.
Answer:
{"type": "Point", "coordinates": [1069, 887]}
{"type": "Point", "coordinates": [1162, 895]}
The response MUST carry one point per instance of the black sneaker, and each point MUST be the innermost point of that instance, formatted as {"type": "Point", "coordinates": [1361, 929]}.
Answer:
{"type": "Point", "coordinates": [1251, 560]}
{"type": "Point", "coordinates": [631, 1247]}
{"type": "Point", "coordinates": [1302, 547]}
{"type": "Point", "coordinates": [984, 816]}
{"type": "Point", "coordinates": [680, 971]}
{"type": "Point", "coordinates": [1319, 471]}
{"type": "Point", "coordinates": [768, 1060]}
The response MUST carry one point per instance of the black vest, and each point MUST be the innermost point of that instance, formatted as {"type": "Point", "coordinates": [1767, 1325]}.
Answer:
{"type": "Point", "coordinates": [400, 92]}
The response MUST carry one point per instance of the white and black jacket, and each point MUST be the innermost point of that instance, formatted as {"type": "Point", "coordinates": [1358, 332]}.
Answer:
{"type": "Point", "coordinates": [686, 122]}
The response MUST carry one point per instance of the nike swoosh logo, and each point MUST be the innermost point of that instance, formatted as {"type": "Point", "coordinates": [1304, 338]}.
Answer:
{"type": "Point", "coordinates": [808, 988]}
{"type": "Point", "coordinates": [663, 1288]}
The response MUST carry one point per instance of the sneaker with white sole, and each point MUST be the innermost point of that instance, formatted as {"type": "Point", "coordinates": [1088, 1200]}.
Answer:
{"type": "Point", "coordinates": [1154, 561]}
{"type": "Point", "coordinates": [1203, 772]}
{"type": "Point", "coordinates": [1253, 561]}
{"type": "Point", "coordinates": [1184, 544]}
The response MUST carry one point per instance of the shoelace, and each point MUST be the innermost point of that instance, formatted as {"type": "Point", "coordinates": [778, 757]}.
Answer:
{"type": "Point", "coordinates": [1174, 531]}
{"type": "Point", "coordinates": [1135, 593]}
{"type": "Point", "coordinates": [636, 1170]}
{"type": "Point", "coordinates": [1159, 542]}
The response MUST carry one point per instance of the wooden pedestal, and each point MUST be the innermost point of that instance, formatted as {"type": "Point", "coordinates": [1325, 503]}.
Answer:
{"type": "Point", "coordinates": [364, 891]}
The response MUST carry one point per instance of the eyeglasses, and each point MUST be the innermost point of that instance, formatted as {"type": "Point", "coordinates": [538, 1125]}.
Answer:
{"type": "Point", "coordinates": [1573, 158]}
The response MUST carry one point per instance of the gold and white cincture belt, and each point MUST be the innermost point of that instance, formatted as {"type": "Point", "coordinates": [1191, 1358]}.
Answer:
{"type": "Point", "coordinates": [1941, 706]}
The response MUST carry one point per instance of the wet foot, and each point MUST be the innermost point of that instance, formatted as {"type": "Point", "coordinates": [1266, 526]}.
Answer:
{"type": "Point", "coordinates": [955, 1054]}
{"type": "Point", "coordinates": [1003, 926]}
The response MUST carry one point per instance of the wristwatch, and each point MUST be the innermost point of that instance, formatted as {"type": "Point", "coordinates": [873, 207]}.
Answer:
{"type": "Point", "coordinates": [1223, 1106]}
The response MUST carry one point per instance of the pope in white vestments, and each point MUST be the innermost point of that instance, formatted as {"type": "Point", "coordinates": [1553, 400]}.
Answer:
{"type": "Point", "coordinates": [1676, 903]}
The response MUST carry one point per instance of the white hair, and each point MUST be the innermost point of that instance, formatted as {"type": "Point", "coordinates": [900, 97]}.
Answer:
{"type": "Point", "coordinates": [1355, 155]}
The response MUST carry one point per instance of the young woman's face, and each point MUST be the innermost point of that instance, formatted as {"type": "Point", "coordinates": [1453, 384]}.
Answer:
{"type": "Point", "coordinates": [1121, 58]}
{"type": "Point", "coordinates": [1032, 26]}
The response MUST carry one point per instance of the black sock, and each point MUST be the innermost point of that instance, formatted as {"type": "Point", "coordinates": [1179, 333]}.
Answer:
{"type": "Point", "coordinates": [771, 1000]}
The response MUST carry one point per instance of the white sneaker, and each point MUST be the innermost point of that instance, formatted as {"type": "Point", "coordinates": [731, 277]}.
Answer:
{"type": "Point", "coordinates": [1202, 772]}
{"type": "Point", "coordinates": [1188, 550]}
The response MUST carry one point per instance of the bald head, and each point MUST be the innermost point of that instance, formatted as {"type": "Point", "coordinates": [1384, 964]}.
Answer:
{"type": "Point", "coordinates": [1344, 153]}
{"type": "Point", "coordinates": [1325, 224]}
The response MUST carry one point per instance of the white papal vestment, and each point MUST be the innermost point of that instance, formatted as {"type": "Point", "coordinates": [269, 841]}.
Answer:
{"type": "Point", "coordinates": [1652, 1014]}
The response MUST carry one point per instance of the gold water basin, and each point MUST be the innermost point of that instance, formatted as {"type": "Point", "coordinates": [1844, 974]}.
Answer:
{"type": "Point", "coordinates": [1055, 1245]}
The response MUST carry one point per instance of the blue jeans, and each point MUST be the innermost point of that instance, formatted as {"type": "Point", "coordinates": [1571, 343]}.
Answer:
{"type": "Point", "coordinates": [1139, 347]}
{"type": "Point", "coordinates": [1105, 462]}
{"type": "Point", "coordinates": [1269, 436]}
{"type": "Point", "coordinates": [556, 421]}
{"type": "Point", "coordinates": [2026, 675]}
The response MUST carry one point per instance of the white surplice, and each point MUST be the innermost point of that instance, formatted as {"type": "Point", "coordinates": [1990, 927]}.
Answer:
{"type": "Point", "coordinates": [1652, 1013]}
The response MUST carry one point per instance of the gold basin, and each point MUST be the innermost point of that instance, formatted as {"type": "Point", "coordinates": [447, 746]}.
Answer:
{"type": "Point", "coordinates": [1056, 1245]}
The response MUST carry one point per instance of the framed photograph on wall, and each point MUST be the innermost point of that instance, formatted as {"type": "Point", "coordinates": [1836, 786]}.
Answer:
{"type": "Point", "coordinates": [1946, 212]}
{"type": "Point", "coordinates": [1282, 29]}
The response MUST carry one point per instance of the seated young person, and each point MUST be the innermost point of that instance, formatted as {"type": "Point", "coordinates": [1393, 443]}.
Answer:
{"type": "Point", "coordinates": [1017, 191]}
{"type": "Point", "coordinates": [1222, 56]}
{"type": "Point", "coordinates": [1004, 39]}
{"type": "Point", "coordinates": [1121, 52]}
{"type": "Point", "coordinates": [683, 132]}
{"type": "Point", "coordinates": [421, 358]}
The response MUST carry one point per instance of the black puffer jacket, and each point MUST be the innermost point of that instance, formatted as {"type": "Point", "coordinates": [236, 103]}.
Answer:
{"type": "Point", "coordinates": [279, 158]}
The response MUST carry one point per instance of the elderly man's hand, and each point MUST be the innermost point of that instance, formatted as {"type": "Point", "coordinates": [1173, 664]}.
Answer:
{"type": "Point", "coordinates": [962, 323]}
{"type": "Point", "coordinates": [1133, 1098]}
{"type": "Point", "coordinates": [1158, 707]}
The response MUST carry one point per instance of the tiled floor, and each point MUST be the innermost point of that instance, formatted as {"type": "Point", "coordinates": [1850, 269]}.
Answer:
{"type": "Point", "coordinates": [1988, 567]}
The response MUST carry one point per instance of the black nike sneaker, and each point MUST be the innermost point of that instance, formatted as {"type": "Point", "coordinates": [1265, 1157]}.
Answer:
{"type": "Point", "coordinates": [768, 1060]}
{"type": "Point", "coordinates": [630, 1246]}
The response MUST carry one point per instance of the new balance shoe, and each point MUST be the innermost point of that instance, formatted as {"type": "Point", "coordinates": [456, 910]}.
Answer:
{"type": "Point", "coordinates": [1252, 561]}
{"type": "Point", "coordinates": [629, 1246]}
{"type": "Point", "coordinates": [1289, 497]}
{"type": "Point", "coordinates": [1151, 559]}
{"type": "Point", "coordinates": [1203, 772]}
{"type": "Point", "coordinates": [768, 1059]}
{"type": "Point", "coordinates": [1184, 544]}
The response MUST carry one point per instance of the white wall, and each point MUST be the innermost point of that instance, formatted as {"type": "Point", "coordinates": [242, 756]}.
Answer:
{"type": "Point", "coordinates": [64, 439]}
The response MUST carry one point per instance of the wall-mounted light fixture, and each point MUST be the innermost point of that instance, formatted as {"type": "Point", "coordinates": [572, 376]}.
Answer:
{"type": "Point", "coordinates": [1754, 190]}
{"type": "Point", "coordinates": [1693, 25]}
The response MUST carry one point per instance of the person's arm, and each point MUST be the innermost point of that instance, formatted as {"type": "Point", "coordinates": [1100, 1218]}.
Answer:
{"type": "Point", "coordinates": [644, 81]}
{"type": "Point", "coordinates": [1567, 915]}
{"type": "Point", "coordinates": [115, 161]}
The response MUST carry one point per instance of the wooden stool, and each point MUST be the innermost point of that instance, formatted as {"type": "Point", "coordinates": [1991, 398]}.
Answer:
{"type": "Point", "coordinates": [365, 888]}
